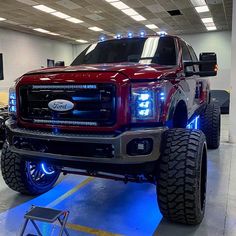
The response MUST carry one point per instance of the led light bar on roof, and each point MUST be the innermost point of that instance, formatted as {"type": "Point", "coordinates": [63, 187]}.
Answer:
{"type": "Point", "coordinates": [97, 29]}
{"type": "Point", "coordinates": [44, 8]}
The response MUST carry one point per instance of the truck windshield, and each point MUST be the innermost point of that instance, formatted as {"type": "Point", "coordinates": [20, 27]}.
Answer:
{"type": "Point", "coordinates": [158, 50]}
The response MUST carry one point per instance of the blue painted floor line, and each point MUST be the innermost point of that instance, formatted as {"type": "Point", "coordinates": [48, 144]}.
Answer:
{"type": "Point", "coordinates": [106, 205]}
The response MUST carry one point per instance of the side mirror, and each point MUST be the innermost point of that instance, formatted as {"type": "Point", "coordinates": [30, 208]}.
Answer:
{"type": "Point", "coordinates": [207, 65]}
{"type": "Point", "coordinates": [60, 63]}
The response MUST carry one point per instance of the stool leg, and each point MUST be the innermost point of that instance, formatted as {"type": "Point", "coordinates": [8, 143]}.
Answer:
{"type": "Point", "coordinates": [24, 227]}
{"type": "Point", "coordinates": [36, 227]}
{"type": "Point", "coordinates": [63, 224]}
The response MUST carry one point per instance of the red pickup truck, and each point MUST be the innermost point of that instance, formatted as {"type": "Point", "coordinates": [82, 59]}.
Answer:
{"type": "Point", "coordinates": [131, 109]}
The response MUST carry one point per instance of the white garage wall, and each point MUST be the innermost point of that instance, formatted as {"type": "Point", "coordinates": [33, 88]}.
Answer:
{"type": "Point", "coordinates": [219, 42]}
{"type": "Point", "coordinates": [24, 52]}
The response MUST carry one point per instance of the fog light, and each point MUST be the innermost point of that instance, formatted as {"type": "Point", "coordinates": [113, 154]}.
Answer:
{"type": "Point", "coordinates": [140, 147]}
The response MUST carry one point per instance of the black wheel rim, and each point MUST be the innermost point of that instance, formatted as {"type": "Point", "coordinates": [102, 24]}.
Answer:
{"type": "Point", "coordinates": [41, 174]}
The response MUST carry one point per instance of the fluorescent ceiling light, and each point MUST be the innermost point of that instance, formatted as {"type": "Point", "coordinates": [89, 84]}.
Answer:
{"type": "Point", "coordinates": [41, 30]}
{"type": "Point", "coordinates": [112, 1]}
{"type": "Point", "coordinates": [210, 28]}
{"type": "Point", "coordinates": [120, 5]}
{"type": "Point", "coordinates": [60, 15]}
{"type": "Point", "coordinates": [2, 19]}
{"type": "Point", "coordinates": [207, 20]}
{"type": "Point", "coordinates": [198, 3]}
{"type": "Point", "coordinates": [151, 26]}
{"type": "Point", "coordinates": [130, 12]}
{"type": "Point", "coordinates": [55, 34]}
{"type": "Point", "coordinates": [95, 28]}
{"type": "Point", "coordinates": [45, 31]}
{"type": "Point", "coordinates": [209, 24]}
{"type": "Point", "coordinates": [74, 20]}
{"type": "Point", "coordinates": [28, 2]}
{"type": "Point", "coordinates": [81, 41]}
{"type": "Point", "coordinates": [138, 18]}
{"type": "Point", "coordinates": [44, 8]}
{"type": "Point", "coordinates": [202, 9]}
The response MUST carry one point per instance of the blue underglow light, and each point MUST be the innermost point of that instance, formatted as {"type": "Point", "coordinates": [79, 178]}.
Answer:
{"type": "Point", "coordinates": [45, 170]}
{"type": "Point", "coordinates": [194, 124]}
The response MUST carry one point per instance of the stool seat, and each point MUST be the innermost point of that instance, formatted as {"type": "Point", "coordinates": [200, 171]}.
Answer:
{"type": "Point", "coordinates": [46, 215]}
{"type": "Point", "coordinates": [43, 214]}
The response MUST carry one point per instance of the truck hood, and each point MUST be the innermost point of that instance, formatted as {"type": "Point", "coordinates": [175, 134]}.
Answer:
{"type": "Point", "coordinates": [131, 70]}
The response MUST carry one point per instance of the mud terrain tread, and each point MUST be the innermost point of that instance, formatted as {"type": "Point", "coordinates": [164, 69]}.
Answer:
{"type": "Point", "coordinates": [178, 176]}
{"type": "Point", "coordinates": [210, 125]}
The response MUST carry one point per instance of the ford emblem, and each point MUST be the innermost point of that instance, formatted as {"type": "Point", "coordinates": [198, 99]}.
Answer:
{"type": "Point", "coordinates": [60, 105]}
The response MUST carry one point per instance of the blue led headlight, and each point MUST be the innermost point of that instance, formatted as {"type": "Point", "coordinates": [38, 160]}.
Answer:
{"type": "Point", "coordinates": [12, 101]}
{"type": "Point", "coordinates": [142, 104]}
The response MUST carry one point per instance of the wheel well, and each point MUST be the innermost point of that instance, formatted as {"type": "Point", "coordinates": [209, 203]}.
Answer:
{"type": "Point", "coordinates": [180, 117]}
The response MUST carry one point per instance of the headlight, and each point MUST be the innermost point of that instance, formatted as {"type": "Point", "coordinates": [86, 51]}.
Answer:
{"type": "Point", "coordinates": [143, 104]}
{"type": "Point", "coordinates": [12, 101]}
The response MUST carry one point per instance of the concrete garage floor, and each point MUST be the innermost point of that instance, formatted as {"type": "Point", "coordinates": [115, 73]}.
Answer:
{"type": "Point", "coordinates": [104, 207]}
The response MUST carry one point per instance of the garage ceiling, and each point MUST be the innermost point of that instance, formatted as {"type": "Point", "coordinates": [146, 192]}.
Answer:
{"type": "Point", "coordinates": [21, 16]}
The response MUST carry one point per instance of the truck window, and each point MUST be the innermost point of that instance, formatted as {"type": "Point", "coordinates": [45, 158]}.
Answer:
{"type": "Point", "coordinates": [186, 54]}
{"type": "Point", "coordinates": [158, 50]}
{"type": "Point", "coordinates": [194, 57]}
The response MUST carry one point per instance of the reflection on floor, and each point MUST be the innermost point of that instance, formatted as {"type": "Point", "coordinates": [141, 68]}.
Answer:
{"type": "Point", "coordinates": [105, 207]}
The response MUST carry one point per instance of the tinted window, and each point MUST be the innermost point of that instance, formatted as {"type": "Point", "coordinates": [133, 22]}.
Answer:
{"type": "Point", "coordinates": [186, 55]}
{"type": "Point", "coordinates": [185, 52]}
{"type": "Point", "coordinates": [143, 50]}
{"type": "Point", "coordinates": [194, 57]}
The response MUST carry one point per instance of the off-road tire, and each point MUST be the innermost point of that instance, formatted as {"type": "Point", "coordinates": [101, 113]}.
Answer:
{"type": "Point", "coordinates": [182, 174]}
{"type": "Point", "coordinates": [17, 176]}
{"type": "Point", "coordinates": [210, 125]}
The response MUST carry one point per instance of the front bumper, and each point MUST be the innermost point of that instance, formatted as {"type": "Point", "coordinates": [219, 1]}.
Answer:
{"type": "Point", "coordinates": [118, 161]}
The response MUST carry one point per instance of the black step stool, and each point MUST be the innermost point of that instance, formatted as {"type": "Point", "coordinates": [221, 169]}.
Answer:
{"type": "Point", "coordinates": [46, 215]}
